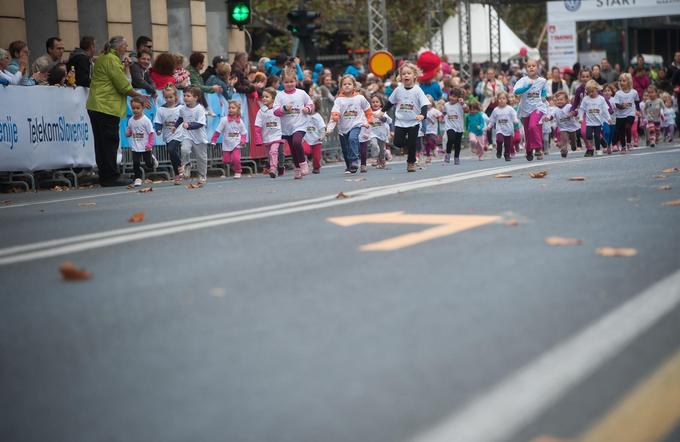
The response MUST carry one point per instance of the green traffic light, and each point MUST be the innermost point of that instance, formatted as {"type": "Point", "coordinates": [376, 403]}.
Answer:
{"type": "Point", "coordinates": [240, 13]}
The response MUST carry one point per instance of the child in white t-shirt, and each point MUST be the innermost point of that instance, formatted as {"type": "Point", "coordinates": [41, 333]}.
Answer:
{"type": "Point", "coordinates": [595, 112]}
{"type": "Point", "coordinates": [164, 123]}
{"type": "Point", "coordinates": [434, 116]}
{"type": "Point", "coordinates": [454, 112]}
{"type": "Point", "coordinates": [141, 134]}
{"type": "Point", "coordinates": [377, 135]}
{"type": "Point", "coordinates": [234, 136]}
{"type": "Point", "coordinates": [267, 132]}
{"type": "Point", "coordinates": [316, 132]}
{"type": "Point", "coordinates": [503, 119]}
{"type": "Point", "coordinates": [192, 123]}
{"type": "Point", "coordinates": [668, 113]}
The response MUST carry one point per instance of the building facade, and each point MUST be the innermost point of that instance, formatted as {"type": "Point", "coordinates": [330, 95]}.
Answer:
{"type": "Point", "coordinates": [183, 26]}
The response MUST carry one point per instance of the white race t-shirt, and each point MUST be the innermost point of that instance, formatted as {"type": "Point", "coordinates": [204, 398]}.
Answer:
{"type": "Point", "coordinates": [293, 120]}
{"type": "Point", "coordinates": [351, 111]}
{"type": "Point", "coordinates": [503, 118]}
{"type": "Point", "coordinates": [668, 116]}
{"type": "Point", "coordinates": [533, 98]}
{"type": "Point", "coordinates": [454, 116]}
{"type": "Point", "coordinates": [565, 120]}
{"type": "Point", "coordinates": [316, 128]}
{"type": "Point", "coordinates": [433, 116]}
{"type": "Point", "coordinates": [167, 117]}
{"type": "Point", "coordinates": [233, 133]}
{"type": "Point", "coordinates": [379, 129]}
{"type": "Point", "coordinates": [408, 103]}
{"type": "Point", "coordinates": [190, 115]}
{"type": "Point", "coordinates": [269, 124]}
{"type": "Point", "coordinates": [595, 110]}
{"type": "Point", "coordinates": [628, 100]}
{"type": "Point", "coordinates": [652, 112]}
{"type": "Point", "coordinates": [141, 129]}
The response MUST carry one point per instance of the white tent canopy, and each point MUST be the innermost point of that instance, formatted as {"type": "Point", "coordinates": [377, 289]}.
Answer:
{"type": "Point", "coordinates": [479, 24]}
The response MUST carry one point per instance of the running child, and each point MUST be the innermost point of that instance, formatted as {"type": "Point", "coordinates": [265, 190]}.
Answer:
{"type": "Point", "coordinates": [474, 123]}
{"type": "Point", "coordinates": [608, 129]}
{"type": "Point", "coordinates": [411, 104]}
{"type": "Point", "coordinates": [316, 132]}
{"type": "Point", "coordinates": [351, 111]}
{"type": "Point", "coordinates": [164, 123]}
{"type": "Point", "coordinates": [653, 115]}
{"type": "Point", "coordinates": [378, 133]}
{"type": "Point", "coordinates": [626, 104]}
{"type": "Point", "coordinates": [668, 122]}
{"type": "Point", "coordinates": [141, 134]}
{"type": "Point", "coordinates": [567, 123]}
{"type": "Point", "coordinates": [192, 122]}
{"type": "Point", "coordinates": [548, 128]}
{"type": "Point", "coordinates": [517, 136]}
{"type": "Point", "coordinates": [503, 119]}
{"type": "Point", "coordinates": [234, 135]}
{"type": "Point", "coordinates": [293, 106]}
{"type": "Point", "coordinates": [267, 132]}
{"type": "Point", "coordinates": [434, 116]}
{"type": "Point", "coordinates": [454, 112]}
{"type": "Point", "coordinates": [595, 112]}
{"type": "Point", "coordinates": [532, 106]}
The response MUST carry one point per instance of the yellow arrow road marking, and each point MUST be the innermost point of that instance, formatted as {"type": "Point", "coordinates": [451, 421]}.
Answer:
{"type": "Point", "coordinates": [445, 225]}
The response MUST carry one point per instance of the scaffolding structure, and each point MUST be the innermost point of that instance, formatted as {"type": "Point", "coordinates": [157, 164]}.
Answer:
{"type": "Point", "coordinates": [494, 34]}
{"type": "Point", "coordinates": [435, 24]}
{"type": "Point", "coordinates": [465, 44]}
{"type": "Point", "coordinates": [377, 26]}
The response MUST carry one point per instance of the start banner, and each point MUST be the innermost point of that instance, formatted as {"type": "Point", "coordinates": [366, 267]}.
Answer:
{"type": "Point", "coordinates": [43, 128]}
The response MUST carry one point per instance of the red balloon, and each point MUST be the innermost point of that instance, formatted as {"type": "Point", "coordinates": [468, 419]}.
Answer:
{"type": "Point", "coordinates": [523, 51]}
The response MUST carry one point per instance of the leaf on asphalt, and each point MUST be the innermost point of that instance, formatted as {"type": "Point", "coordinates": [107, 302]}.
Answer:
{"type": "Point", "coordinates": [146, 190]}
{"type": "Point", "coordinates": [540, 174]}
{"type": "Point", "coordinates": [577, 178]}
{"type": "Point", "coordinates": [59, 189]}
{"type": "Point", "coordinates": [660, 177]}
{"type": "Point", "coordinates": [70, 272]}
{"type": "Point", "coordinates": [616, 251]}
{"type": "Point", "coordinates": [665, 187]}
{"type": "Point", "coordinates": [136, 217]}
{"type": "Point", "coordinates": [342, 196]}
{"type": "Point", "coordinates": [87, 204]}
{"type": "Point", "coordinates": [561, 241]}
{"type": "Point", "coordinates": [218, 292]}
{"type": "Point", "coordinates": [6, 203]}
{"type": "Point", "coordinates": [671, 203]}
{"type": "Point", "coordinates": [671, 170]}
{"type": "Point", "coordinates": [193, 186]}
{"type": "Point", "coordinates": [503, 175]}
{"type": "Point", "coordinates": [512, 222]}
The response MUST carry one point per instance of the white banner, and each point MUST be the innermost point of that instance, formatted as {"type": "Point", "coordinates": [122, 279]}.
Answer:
{"type": "Point", "coordinates": [562, 44]}
{"type": "Point", "coordinates": [43, 128]}
{"type": "Point", "coordinates": [589, 10]}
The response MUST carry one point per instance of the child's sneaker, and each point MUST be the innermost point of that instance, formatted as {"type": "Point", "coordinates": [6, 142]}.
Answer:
{"type": "Point", "coordinates": [347, 171]}
{"type": "Point", "coordinates": [363, 168]}
{"type": "Point", "coordinates": [237, 176]}
{"type": "Point", "coordinates": [353, 168]}
{"type": "Point", "coordinates": [428, 160]}
{"type": "Point", "coordinates": [304, 168]}
{"type": "Point", "coordinates": [281, 171]}
{"type": "Point", "coordinates": [297, 174]}
{"type": "Point", "coordinates": [498, 154]}
{"type": "Point", "coordinates": [539, 155]}
{"type": "Point", "coordinates": [530, 155]}
{"type": "Point", "coordinates": [447, 158]}
{"type": "Point", "coordinates": [456, 161]}
{"type": "Point", "coordinates": [609, 151]}
{"type": "Point", "coordinates": [410, 167]}
{"type": "Point", "coordinates": [316, 171]}
{"type": "Point", "coordinates": [564, 152]}
{"type": "Point", "coordinates": [507, 158]}
{"type": "Point", "coordinates": [202, 180]}
{"type": "Point", "coordinates": [138, 182]}
{"type": "Point", "coordinates": [589, 153]}
{"type": "Point", "coordinates": [598, 153]}
{"type": "Point", "coordinates": [178, 179]}
{"type": "Point", "coordinates": [272, 173]}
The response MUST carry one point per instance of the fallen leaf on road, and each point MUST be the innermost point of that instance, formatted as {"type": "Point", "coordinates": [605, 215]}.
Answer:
{"type": "Point", "coordinates": [193, 186]}
{"type": "Point", "coordinates": [561, 241]}
{"type": "Point", "coordinates": [540, 174]}
{"type": "Point", "coordinates": [577, 178]}
{"type": "Point", "coordinates": [503, 175]}
{"type": "Point", "coordinates": [616, 251]}
{"type": "Point", "coordinates": [671, 170]}
{"type": "Point", "coordinates": [666, 187]}
{"type": "Point", "coordinates": [342, 196]}
{"type": "Point", "coordinates": [6, 203]}
{"type": "Point", "coordinates": [659, 177]}
{"type": "Point", "coordinates": [512, 222]}
{"type": "Point", "coordinates": [671, 203]}
{"type": "Point", "coordinates": [59, 189]}
{"type": "Point", "coordinates": [217, 292]}
{"type": "Point", "coordinates": [146, 190]}
{"type": "Point", "coordinates": [87, 204]}
{"type": "Point", "coordinates": [136, 217]}
{"type": "Point", "coordinates": [70, 272]}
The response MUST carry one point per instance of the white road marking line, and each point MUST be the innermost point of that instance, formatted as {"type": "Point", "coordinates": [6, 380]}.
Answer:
{"type": "Point", "coordinates": [499, 413]}
{"type": "Point", "coordinates": [56, 247]}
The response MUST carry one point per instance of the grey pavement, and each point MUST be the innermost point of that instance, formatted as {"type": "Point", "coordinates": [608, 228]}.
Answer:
{"type": "Point", "coordinates": [279, 328]}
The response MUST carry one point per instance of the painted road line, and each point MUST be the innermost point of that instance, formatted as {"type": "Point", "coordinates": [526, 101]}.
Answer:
{"type": "Point", "coordinates": [648, 413]}
{"type": "Point", "coordinates": [61, 246]}
{"type": "Point", "coordinates": [446, 225]}
{"type": "Point", "coordinates": [497, 414]}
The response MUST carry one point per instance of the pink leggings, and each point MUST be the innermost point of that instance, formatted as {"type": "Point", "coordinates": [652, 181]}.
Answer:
{"type": "Point", "coordinates": [232, 158]}
{"type": "Point", "coordinates": [533, 131]}
{"type": "Point", "coordinates": [275, 150]}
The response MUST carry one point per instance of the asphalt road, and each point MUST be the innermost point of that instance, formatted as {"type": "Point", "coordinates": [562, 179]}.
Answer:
{"type": "Point", "coordinates": [240, 312]}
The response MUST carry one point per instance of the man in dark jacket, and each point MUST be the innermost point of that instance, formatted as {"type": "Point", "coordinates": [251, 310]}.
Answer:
{"type": "Point", "coordinates": [139, 73]}
{"type": "Point", "coordinates": [81, 61]}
